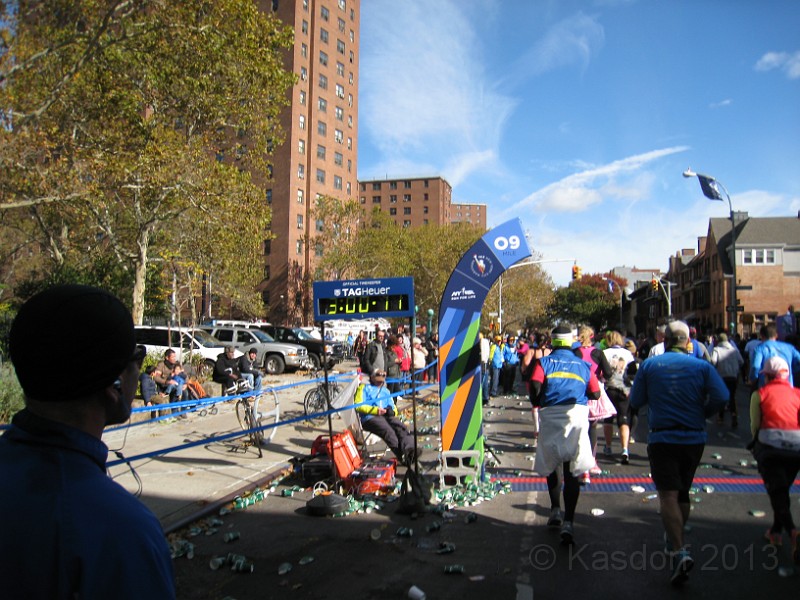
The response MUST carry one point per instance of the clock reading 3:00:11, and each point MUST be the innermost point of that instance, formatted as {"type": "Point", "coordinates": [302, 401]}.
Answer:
{"type": "Point", "coordinates": [361, 305]}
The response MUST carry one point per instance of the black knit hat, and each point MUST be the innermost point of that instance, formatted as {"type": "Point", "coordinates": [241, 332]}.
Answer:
{"type": "Point", "coordinates": [94, 327]}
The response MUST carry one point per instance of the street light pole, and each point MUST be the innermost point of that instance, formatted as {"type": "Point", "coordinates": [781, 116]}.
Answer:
{"type": "Point", "coordinates": [710, 187]}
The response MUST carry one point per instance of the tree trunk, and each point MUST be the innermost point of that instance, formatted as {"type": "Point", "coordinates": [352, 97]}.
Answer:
{"type": "Point", "coordinates": [140, 273]}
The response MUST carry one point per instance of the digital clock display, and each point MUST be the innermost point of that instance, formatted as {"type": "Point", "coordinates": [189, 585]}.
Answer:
{"type": "Point", "coordinates": [364, 298]}
{"type": "Point", "coordinates": [362, 305]}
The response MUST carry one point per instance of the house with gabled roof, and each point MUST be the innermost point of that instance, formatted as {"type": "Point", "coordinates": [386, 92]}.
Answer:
{"type": "Point", "coordinates": [767, 270]}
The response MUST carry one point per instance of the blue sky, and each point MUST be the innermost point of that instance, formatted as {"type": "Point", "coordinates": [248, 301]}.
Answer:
{"type": "Point", "coordinates": [579, 117]}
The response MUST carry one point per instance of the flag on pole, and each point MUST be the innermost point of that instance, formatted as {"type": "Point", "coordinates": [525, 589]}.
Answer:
{"type": "Point", "coordinates": [611, 286]}
{"type": "Point", "coordinates": [710, 187]}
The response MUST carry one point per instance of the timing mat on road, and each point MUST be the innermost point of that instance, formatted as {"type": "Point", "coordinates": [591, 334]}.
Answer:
{"type": "Point", "coordinates": [610, 483]}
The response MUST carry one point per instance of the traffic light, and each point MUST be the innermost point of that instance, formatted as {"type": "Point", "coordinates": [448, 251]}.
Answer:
{"type": "Point", "coordinates": [576, 272]}
{"type": "Point", "coordinates": [654, 284]}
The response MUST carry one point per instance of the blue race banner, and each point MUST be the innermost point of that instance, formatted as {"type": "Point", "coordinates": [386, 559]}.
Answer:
{"type": "Point", "coordinates": [459, 323]}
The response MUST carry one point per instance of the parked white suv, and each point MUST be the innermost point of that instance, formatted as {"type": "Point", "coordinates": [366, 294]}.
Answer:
{"type": "Point", "coordinates": [274, 356]}
{"type": "Point", "coordinates": [186, 342]}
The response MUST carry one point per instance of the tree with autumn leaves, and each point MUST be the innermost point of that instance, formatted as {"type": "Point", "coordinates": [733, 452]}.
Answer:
{"type": "Point", "coordinates": [590, 300]}
{"type": "Point", "coordinates": [133, 133]}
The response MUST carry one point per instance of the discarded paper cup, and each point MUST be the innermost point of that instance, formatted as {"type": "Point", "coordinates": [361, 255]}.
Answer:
{"type": "Point", "coordinates": [415, 593]}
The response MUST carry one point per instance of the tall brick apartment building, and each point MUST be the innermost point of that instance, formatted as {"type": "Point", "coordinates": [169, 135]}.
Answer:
{"type": "Point", "coordinates": [319, 155]}
{"type": "Point", "coordinates": [418, 201]}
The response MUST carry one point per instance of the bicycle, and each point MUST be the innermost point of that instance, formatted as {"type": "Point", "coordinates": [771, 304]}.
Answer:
{"type": "Point", "coordinates": [251, 419]}
{"type": "Point", "coordinates": [315, 400]}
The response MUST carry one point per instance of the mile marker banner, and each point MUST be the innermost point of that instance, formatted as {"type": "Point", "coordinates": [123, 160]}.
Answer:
{"type": "Point", "coordinates": [459, 323]}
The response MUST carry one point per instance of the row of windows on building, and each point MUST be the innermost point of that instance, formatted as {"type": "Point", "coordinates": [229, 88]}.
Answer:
{"type": "Point", "coordinates": [376, 185]}
{"type": "Point", "coordinates": [392, 198]}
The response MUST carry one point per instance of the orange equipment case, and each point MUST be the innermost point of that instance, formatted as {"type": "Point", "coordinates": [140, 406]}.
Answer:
{"type": "Point", "coordinates": [365, 477]}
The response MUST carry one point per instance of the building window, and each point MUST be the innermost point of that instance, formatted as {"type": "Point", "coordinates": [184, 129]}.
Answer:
{"type": "Point", "coordinates": [349, 143]}
{"type": "Point", "coordinates": [407, 223]}
{"type": "Point", "coordinates": [337, 158]}
{"type": "Point", "coordinates": [338, 135]}
{"type": "Point", "coordinates": [407, 185]}
{"type": "Point", "coordinates": [267, 247]}
{"type": "Point", "coordinates": [339, 113]}
{"type": "Point", "coordinates": [393, 198]}
{"type": "Point", "coordinates": [425, 210]}
{"type": "Point", "coordinates": [266, 272]}
{"type": "Point", "coordinates": [363, 199]}
{"type": "Point", "coordinates": [340, 47]}
{"type": "Point", "coordinates": [352, 36]}
{"type": "Point", "coordinates": [299, 196]}
{"type": "Point", "coordinates": [303, 73]}
{"type": "Point", "coordinates": [424, 221]}
{"type": "Point", "coordinates": [304, 27]}
{"type": "Point", "coordinates": [376, 199]}
{"type": "Point", "coordinates": [342, 4]}
{"type": "Point", "coordinates": [392, 211]}
{"type": "Point", "coordinates": [304, 50]}
{"type": "Point", "coordinates": [318, 249]}
{"type": "Point", "coordinates": [339, 69]}
{"type": "Point", "coordinates": [352, 57]}
{"type": "Point", "coordinates": [302, 97]}
{"type": "Point", "coordinates": [376, 186]}
{"type": "Point", "coordinates": [406, 210]}
{"type": "Point", "coordinates": [320, 176]}
{"type": "Point", "coordinates": [323, 58]}
{"type": "Point", "coordinates": [322, 104]}
{"type": "Point", "coordinates": [305, 5]}
{"type": "Point", "coordinates": [321, 152]}
{"type": "Point", "coordinates": [425, 183]}
{"type": "Point", "coordinates": [324, 13]}
{"type": "Point", "coordinates": [337, 182]}
{"type": "Point", "coordinates": [349, 165]}
{"type": "Point", "coordinates": [350, 121]}
{"type": "Point", "coordinates": [269, 196]}
{"type": "Point", "coordinates": [392, 185]}
{"type": "Point", "coordinates": [302, 120]}
{"type": "Point", "coordinates": [341, 23]}
{"type": "Point", "coordinates": [425, 196]}
{"type": "Point", "coordinates": [348, 188]}
{"type": "Point", "coordinates": [322, 128]}
{"type": "Point", "coordinates": [758, 256]}
{"type": "Point", "coordinates": [301, 146]}
{"type": "Point", "coordinates": [406, 197]}
{"type": "Point", "coordinates": [340, 91]}
{"type": "Point", "coordinates": [323, 35]}
{"type": "Point", "coordinates": [299, 221]}
{"type": "Point", "coordinates": [298, 245]}
{"type": "Point", "coordinates": [320, 225]}
{"type": "Point", "coordinates": [301, 171]}
{"type": "Point", "coordinates": [323, 82]}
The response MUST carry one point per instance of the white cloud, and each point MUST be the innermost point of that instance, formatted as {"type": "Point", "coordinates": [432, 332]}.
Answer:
{"type": "Point", "coordinates": [424, 91]}
{"type": "Point", "coordinates": [721, 103]}
{"type": "Point", "coordinates": [574, 192]}
{"type": "Point", "coordinates": [788, 62]}
{"type": "Point", "coordinates": [572, 41]}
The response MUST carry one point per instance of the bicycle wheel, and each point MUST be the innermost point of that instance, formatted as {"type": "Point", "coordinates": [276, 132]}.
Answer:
{"type": "Point", "coordinates": [314, 403]}
{"type": "Point", "coordinates": [241, 409]}
{"type": "Point", "coordinates": [256, 435]}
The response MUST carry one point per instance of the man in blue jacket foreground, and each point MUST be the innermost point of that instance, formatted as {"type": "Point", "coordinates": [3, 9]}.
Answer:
{"type": "Point", "coordinates": [680, 392]}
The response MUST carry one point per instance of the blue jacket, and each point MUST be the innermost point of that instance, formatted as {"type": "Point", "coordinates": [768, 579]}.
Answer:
{"type": "Point", "coordinates": [566, 378]}
{"type": "Point", "coordinates": [771, 348]}
{"type": "Point", "coordinates": [680, 392]}
{"type": "Point", "coordinates": [374, 397]}
{"type": "Point", "coordinates": [497, 356]}
{"type": "Point", "coordinates": [510, 355]}
{"type": "Point", "coordinates": [70, 530]}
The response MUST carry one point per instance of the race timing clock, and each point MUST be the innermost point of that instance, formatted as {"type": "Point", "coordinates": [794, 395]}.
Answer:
{"type": "Point", "coordinates": [363, 298]}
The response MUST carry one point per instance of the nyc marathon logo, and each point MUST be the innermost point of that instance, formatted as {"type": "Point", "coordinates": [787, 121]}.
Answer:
{"type": "Point", "coordinates": [481, 265]}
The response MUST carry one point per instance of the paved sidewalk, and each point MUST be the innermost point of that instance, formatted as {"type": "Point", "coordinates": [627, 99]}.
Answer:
{"type": "Point", "coordinates": [178, 485]}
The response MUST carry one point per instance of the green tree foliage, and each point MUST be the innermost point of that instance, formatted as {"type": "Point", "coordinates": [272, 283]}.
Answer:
{"type": "Point", "coordinates": [429, 254]}
{"type": "Point", "coordinates": [588, 301]}
{"type": "Point", "coordinates": [134, 129]}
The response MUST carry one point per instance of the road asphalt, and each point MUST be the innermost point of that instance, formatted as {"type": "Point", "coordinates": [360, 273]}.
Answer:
{"type": "Point", "coordinates": [189, 478]}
